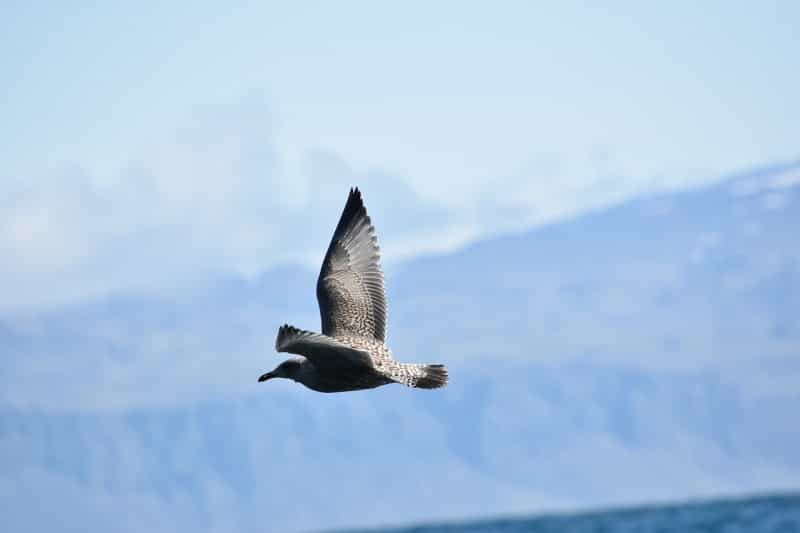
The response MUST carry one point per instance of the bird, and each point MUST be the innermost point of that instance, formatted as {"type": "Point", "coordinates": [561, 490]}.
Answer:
{"type": "Point", "coordinates": [351, 352]}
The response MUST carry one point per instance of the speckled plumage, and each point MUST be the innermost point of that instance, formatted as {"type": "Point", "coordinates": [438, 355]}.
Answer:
{"type": "Point", "coordinates": [350, 353]}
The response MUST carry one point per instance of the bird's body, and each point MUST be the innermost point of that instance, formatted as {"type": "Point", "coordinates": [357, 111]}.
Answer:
{"type": "Point", "coordinates": [350, 353]}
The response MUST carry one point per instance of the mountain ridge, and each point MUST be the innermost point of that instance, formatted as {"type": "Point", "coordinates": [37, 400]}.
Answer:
{"type": "Point", "coordinates": [644, 351]}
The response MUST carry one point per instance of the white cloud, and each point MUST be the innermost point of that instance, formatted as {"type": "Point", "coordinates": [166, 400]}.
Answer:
{"type": "Point", "coordinates": [217, 196]}
{"type": "Point", "coordinates": [226, 194]}
{"type": "Point", "coordinates": [213, 198]}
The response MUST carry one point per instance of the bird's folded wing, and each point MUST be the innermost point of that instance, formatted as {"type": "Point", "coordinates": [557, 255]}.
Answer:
{"type": "Point", "coordinates": [321, 350]}
{"type": "Point", "coordinates": [350, 288]}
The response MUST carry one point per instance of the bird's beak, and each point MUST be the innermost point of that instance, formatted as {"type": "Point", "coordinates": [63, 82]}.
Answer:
{"type": "Point", "coordinates": [265, 377]}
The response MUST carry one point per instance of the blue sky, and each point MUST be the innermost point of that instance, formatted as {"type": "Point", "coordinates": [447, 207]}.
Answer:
{"type": "Point", "coordinates": [171, 118]}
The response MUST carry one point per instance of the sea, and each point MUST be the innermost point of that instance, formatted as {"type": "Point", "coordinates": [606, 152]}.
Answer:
{"type": "Point", "coordinates": [761, 514]}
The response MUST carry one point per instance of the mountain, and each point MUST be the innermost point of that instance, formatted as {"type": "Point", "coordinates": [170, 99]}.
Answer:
{"type": "Point", "coordinates": [649, 351]}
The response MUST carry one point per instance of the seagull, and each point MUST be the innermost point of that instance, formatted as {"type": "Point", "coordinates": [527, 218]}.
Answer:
{"type": "Point", "coordinates": [351, 352]}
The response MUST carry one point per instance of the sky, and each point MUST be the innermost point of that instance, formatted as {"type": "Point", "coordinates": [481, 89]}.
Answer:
{"type": "Point", "coordinates": [214, 138]}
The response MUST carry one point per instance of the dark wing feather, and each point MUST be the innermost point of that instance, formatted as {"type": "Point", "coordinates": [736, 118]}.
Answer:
{"type": "Point", "coordinates": [350, 290]}
{"type": "Point", "coordinates": [325, 352]}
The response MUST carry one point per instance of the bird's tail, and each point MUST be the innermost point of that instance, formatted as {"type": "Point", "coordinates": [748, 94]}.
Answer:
{"type": "Point", "coordinates": [421, 376]}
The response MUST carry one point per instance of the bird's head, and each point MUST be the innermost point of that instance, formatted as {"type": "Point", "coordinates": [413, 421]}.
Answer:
{"type": "Point", "coordinates": [288, 369]}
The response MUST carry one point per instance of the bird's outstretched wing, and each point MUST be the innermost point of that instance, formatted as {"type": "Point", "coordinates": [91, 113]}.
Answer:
{"type": "Point", "coordinates": [350, 290]}
{"type": "Point", "coordinates": [323, 351]}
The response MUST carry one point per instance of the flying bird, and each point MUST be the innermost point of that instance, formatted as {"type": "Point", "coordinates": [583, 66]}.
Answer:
{"type": "Point", "coordinates": [351, 352]}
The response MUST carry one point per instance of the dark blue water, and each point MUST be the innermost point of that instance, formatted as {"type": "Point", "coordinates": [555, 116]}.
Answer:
{"type": "Point", "coordinates": [768, 514]}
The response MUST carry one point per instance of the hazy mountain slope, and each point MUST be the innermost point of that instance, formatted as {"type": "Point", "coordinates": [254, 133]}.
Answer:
{"type": "Point", "coordinates": [688, 279]}
{"type": "Point", "coordinates": [648, 351]}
